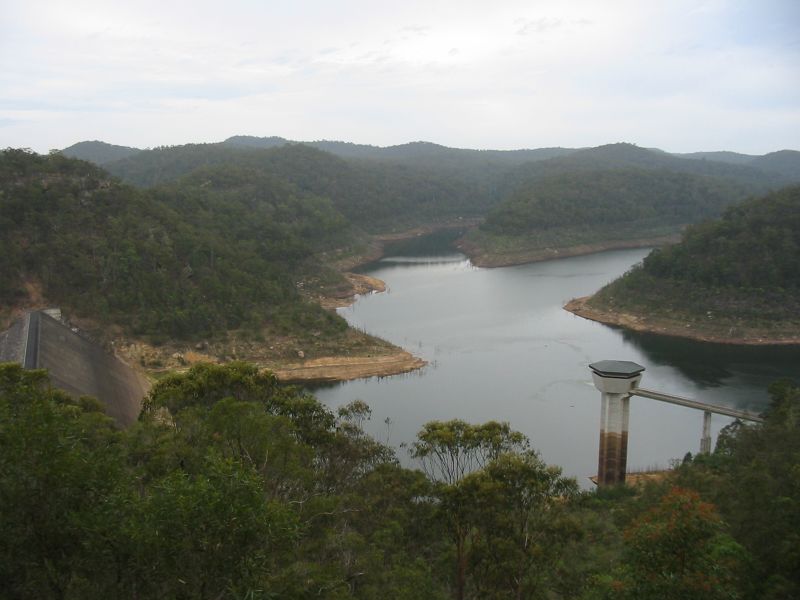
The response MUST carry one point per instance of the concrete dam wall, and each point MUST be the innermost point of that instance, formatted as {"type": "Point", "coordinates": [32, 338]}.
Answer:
{"type": "Point", "coordinates": [76, 365]}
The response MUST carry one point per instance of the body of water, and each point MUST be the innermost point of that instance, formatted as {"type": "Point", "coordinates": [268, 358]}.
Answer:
{"type": "Point", "coordinates": [500, 347]}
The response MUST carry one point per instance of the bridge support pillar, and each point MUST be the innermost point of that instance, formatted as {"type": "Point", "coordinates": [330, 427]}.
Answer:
{"type": "Point", "coordinates": [705, 441]}
{"type": "Point", "coordinates": [615, 380]}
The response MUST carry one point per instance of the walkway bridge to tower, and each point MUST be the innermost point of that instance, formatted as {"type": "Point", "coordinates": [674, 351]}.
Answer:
{"type": "Point", "coordinates": [617, 381]}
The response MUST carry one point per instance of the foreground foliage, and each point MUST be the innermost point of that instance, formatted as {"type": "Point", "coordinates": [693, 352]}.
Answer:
{"type": "Point", "coordinates": [233, 486]}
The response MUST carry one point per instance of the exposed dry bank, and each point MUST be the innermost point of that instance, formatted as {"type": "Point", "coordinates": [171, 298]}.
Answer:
{"type": "Point", "coordinates": [734, 280]}
{"type": "Point", "coordinates": [718, 331]}
{"type": "Point", "coordinates": [352, 355]}
{"type": "Point", "coordinates": [496, 255]}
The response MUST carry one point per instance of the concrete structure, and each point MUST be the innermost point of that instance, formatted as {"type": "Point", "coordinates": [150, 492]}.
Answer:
{"type": "Point", "coordinates": [75, 364]}
{"type": "Point", "coordinates": [617, 381]}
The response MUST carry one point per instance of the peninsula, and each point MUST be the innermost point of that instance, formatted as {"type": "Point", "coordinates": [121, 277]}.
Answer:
{"type": "Point", "coordinates": [735, 280]}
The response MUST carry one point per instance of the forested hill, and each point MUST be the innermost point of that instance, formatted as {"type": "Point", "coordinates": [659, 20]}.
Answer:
{"type": "Point", "coordinates": [583, 208]}
{"type": "Point", "coordinates": [784, 162]}
{"type": "Point", "coordinates": [623, 155]}
{"type": "Point", "coordinates": [740, 271]}
{"type": "Point", "coordinates": [99, 153]}
{"type": "Point", "coordinates": [376, 196]}
{"type": "Point", "coordinates": [425, 154]}
{"type": "Point", "coordinates": [219, 251]}
{"type": "Point", "coordinates": [626, 198]}
{"type": "Point", "coordinates": [400, 187]}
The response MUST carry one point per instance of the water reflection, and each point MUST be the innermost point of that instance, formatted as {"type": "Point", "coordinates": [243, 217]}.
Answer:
{"type": "Point", "coordinates": [432, 244]}
{"type": "Point", "coordinates": [411, 261]}
{"type": "Point", "coordinates": [711, 365]}
{"type": "Point", "coordinates": [500, 347]}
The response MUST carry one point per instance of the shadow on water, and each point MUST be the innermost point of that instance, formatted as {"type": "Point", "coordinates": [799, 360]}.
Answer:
{"type": "Point", "coordinates": [425, 245]}
{"type": "Point", "coordinates": [712, 365]}
{"type": "Point", "coordinates": [432, 248]}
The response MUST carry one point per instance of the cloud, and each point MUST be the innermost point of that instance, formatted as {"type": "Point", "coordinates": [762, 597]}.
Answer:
{"type": "Point", "coordinates": [541, 25]}
{"type": "Point", "coordinates": [517, 73]}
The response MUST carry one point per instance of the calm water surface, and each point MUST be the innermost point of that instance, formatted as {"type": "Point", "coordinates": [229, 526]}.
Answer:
{"type": "Point", "coordinates": [500, 347]}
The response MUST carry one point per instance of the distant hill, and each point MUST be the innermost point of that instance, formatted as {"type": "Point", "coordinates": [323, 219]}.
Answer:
{"type": "Point", "coordinates": [375, 195]}
{"type": "Point", "coordinates": [784, 162]}
{"type": "Point", "coordinates": [734, 278]}
{"type": "Point", "coordinates": [249, 141]}
{"type": "Point", "coordinates": [621, 155]}
{"type": "Point", "coordinates": [418, 153]}
{"type": "Point", "coordinates": [100, 153]}
{"type": "Point", "coordinates": [720, 156]}
{"type": "Point", "coordinates": [597, 208]}
{"type": "Point", "coordinates": [389, 189]}
{"type": "Point", "coordinates": [593, 199]}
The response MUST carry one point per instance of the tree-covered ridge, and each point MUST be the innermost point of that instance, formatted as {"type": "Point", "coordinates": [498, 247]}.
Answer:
{"type": "Point", "coordinates": [180, 263]}
{"type": "Point", "coordinates": [247, 204]}
{"type": "Point", "coordinates": [376, 196]}
{"type": "Point", "coordinates": [425, 154]}
{"type": "Point", "coordinates": [783, 162]}
{"type": "Point", "coordinates": [623, 155]}
{"type": "Point", "coordinates": [232, 486]}
{"type": "Point", "coordinates": [588, 210]}
{"type": "Point", "coordinates": [743, 266]}
{"type": "Point", "coordinates": [404, 186]}
{"type": "Point", "coordinates": [755, 244]}
{"type": "Point", "coordinates": [99, 152]}
{"type": "Point", "coordinates": [598, 199]}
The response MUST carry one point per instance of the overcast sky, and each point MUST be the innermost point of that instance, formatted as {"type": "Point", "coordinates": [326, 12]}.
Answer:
{"type": "Point", "coordinates": [675, 74]}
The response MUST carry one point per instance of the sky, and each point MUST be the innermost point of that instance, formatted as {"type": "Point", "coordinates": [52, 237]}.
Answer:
{"type": "Point", "coordinates": [679, 75]}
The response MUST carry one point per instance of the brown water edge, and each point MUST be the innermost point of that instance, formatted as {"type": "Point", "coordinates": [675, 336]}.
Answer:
{"type": "Point", "coordinates": [357, 356]}
{"type": "Point", "coordinates": [741, 335]}
{"type": "Point", "coordinates": [488, 259]}
{"type": "Point", "coordinates": [344, 368]}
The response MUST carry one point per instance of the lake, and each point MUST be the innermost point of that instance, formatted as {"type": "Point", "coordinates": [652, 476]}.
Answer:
{"type": "Point", "coordinates": [500, 347]}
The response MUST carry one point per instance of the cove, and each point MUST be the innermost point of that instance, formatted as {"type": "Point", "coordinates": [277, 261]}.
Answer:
{"type": "Point", "coordinates": [500, 347]}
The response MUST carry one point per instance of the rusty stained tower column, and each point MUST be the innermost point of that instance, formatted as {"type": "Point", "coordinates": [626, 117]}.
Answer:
{"type": "Point", "coordinates": [705, 441]}
{"type": "Point", "coordinates": [615, 379]}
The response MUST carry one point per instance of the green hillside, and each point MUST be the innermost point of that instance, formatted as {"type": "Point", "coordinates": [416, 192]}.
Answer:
{"type": "Point", "coordinates": [424, 154]}
{"type": "Point", "coordinates": [598, 207]}
{"type": "Point", "coordinates": [99, 153]}
{"type": "Point", "coordinates": [624, 155]}
{"type": "Point", "coordinates": [736, 273]}
{"type": "Point", "coordinates": [735, 158]}
{"type": "Point", "coordinates": [216, 252]}
{"type": "Point", "coordinates": [390, 189]}
{"type": "Point", "coordinates": [784, 162]}
{"type": "Point", "coordinates": [376, 196]}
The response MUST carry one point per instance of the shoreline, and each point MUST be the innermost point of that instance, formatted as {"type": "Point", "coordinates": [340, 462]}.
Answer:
{"type": "Point", "coordinates": [485, 259]}
{"type": "Point", "coordinates": [377, 242]}
{"type": "Point", "coordinates": [408, 234]}
{"type": "Point", "coordinates": [334, 369]}
{"type": "Point", "coordinates": [674, 327]}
